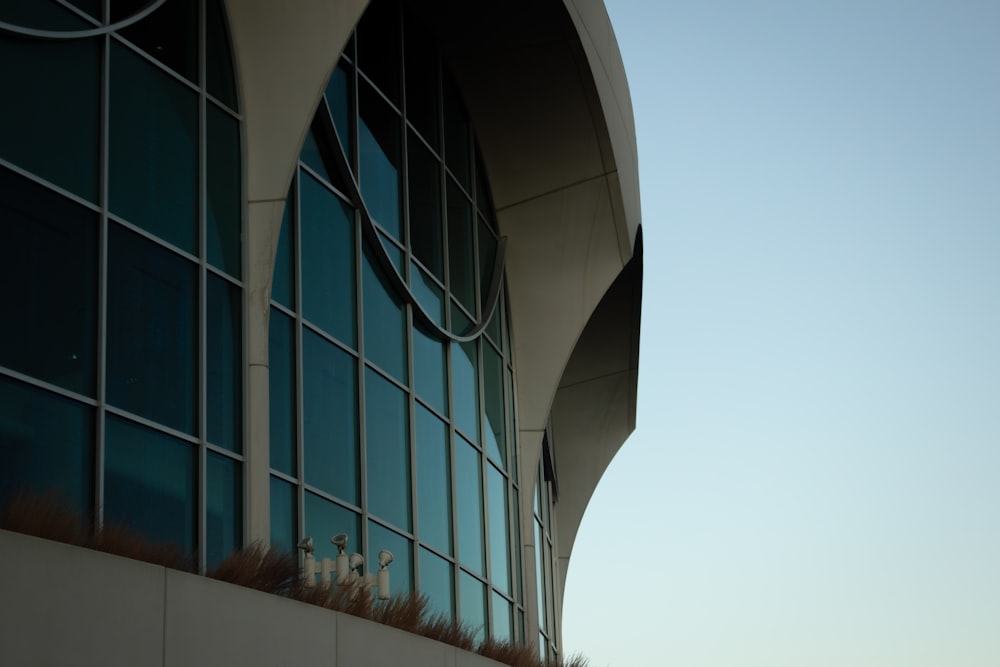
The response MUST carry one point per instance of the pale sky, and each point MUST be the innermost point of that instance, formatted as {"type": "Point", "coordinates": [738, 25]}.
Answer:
{"type": "Point", "coordinates": [814, 480]}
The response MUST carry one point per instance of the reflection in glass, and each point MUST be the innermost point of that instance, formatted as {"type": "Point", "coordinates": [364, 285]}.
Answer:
{"type": "Point", "coordinates": [437, 584]}
{"type": "Point", "coordinates": [469, 506]}
{"type": "Point", "coordinates": [48, 261]}
{"type": "Point", "coordinates": [501, 619]}
{"type": "Point", "coordinates": [152, 331]}
{"type": "Point", "coordinates": [388, 450]}
{"type": "Point", "coordinates": [385, 322]}
{"type": "Point", "coordinates": [378, 133]}
{"type": "Point", "coordinates": [496, 444]}
{"type": "Point", "coordinates": [401, 570]}
{"type": "Point", "coordinates": [338, 100]}
{"type": "Point", "coordinates": [46, 445]}
{"type": "Point", "coordinates": [473, 604]}
{"type": "Point", "coordinates": [224, 396]}
{"type": "Point", "coordinates": [430, 376]}
{"type": "Point", "coordinates": [324, 519]}
{"type": "Point", "coordinates": [465, 388]}
{"type": "Point", "coordinates": [149, 483]}
{"type": "Point", "coordinates": [496, 485]}
{"type": "Point", "coordinates": [283, 516]}
{"type": "Point", "coordinates": [224, 195]}
{"type": "Point", "coordinates": [223, 508]}
{"type": "Point", "coordinates": [329, 416]}
{"type": "Point", "coordinates": [433, 481]}
{"type": "Point", "coordinates": [281, 356]}
{"type": "Point", "coordinates": [328, 282]}
{"type": "Point", "coordinates": [428, 293]}
{"type": "Point", "coordinates": [541, 584]}
{"type": "Point", "coordinates": [154, 150]}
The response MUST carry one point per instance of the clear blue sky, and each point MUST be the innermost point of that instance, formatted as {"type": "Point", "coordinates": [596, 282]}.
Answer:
{"type": "Point", "coordinates": [814, 480]}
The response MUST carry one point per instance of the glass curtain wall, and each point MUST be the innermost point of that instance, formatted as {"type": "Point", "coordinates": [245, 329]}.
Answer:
{"type": "Point", "coordinates": [544, 566]}
{"type": "Point", "coordinates": [121, 353]}
{"type": "Point", "coordinates": [388, 422]}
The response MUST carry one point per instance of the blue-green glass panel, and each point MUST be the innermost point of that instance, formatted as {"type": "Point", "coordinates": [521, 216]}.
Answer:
{"type": "Point", "coordinates": [329, 407]}
{"type": "Point", "coordinates": [53, 128]}
{"type": "Point", "coordinates": [224, 398]}
{"type": "Point", "coordinates": [496, 438]}
{"type": "Point", "coordinates": [487, 260]}
{"type": "Point", "coordinates": [46, 445]}
{"type": "Point", "coordinates": [422, 81]}
{"type": "Point", "coordinates": [430, 374]}
{"type": "Point", "coordinates": [150, 483]}
{"type": "Point", "coordinates": [328, 279]}
{"type": "Point", "coordinates": [502, 631]}
{"type": "Point", "coordinates": [283, 284]}
{"type": "Point", "coordinates": [541, 585]}
{"type": "Point", "coordinates": [472, 598]}
{"type": "Point", "coordinates": [152, 331]}
{"type": "Point", "coordinates": [496, 486]}
{"type": "Point", "coordinates": [378, 41]}
{"type": "Point", "coordinates": [469, 506]}
{"type": "Point", "coordinates": [281, 355]}
{"type": "Point", "coordinates": [456, 133]}
{"type": "Point", "coordinates": [393, 252]}
{"type": "Point", "coordinates": [48, 261]}
{"type": "Point", "coordinates": [170, 34]}
{"type": "Point", "coordinates": [511, 429]}
{"type": "Point", "coordinates": [324, 519]}
{"type": "Point", "coordinates": [433, 481]}
{"type": "Point", "coordinates": [549, 601]}
{"type": "Point", "coordinates": [388, 450]}
{"type": "Point", "coordinates": [385, 322]}
{"type": "Point", "coordinates": [461, 262]}
{"type": "Point", "coordinates": [465, 388]}
{"type": "Point", "coordinates": [429, 294]}
{"type": "Point", "coordinates": [154, 150]}
{"type": "Point", "coordinates": [437, 583]}
{"type": "Point", "coordinates": [284, 521]}
{"type": "Point", "coordinates": [223, 229]}
{"type": "Point", "coordinates": [493, 326]}
{"type": "Point", "coordinates": [518, 586]}
{"type": "Point", "coordinates": [460, 322]}
{"type": "Point", "coordinates": [401, 569]}
{"type": "Point", "coordinates": [311, 156]}
{"type": "Point", "coordinates": [338, 99]}
{"type": "Point", "coordinates": [219, 76]}
{"type": "Point", "coordinates": [379, 142]}
{"type": "Point", "coordinates": [426, 223]}
{"type": "Point", "coordinates": [223, 508]}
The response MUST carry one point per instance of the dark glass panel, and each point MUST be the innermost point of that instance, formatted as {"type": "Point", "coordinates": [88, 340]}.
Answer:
{"type": "Point", "coordinates": [169, 34]}
{"type": "Point", "coordinates": [283, 284]}
{"type": "Point", "coordinates": [149, 483]}
{"type": "Point", "coordinates": [329, 406]}
{"type": "Point", "coordinates": [324, 519]}
{"type": "Point", "coordinates": [422, 82]}
{"type": "Point", "coordinates": [379, 139]}
{"type": "Point", "coordinates": [469, 506]}
{"type": "Point", "coordinates": [430, 375]}
{"type": "Point", "coordinates": [496, 442]}
{"type": "Point", "coordinates": [339, 101]}
{"type": "Point", "coordinates": [393, 252]}
{"type": "Point", "coordinates": [401, 570]}
{"type": "Point", "coordinates": [312, 157]}
{"type": "Point", "coordinates": [437, 583]}
{"type": "Point", "coordinates": [493, 326]}
{"type": "Point", "coordinates": [284, 524]}
{"type": "Point", "coordinates": [385, 322]}
{"type": "Point", "coordinates": [460, 322]}
{"type": "Point", "coordinates": [281, 355]}
{"type": "Point", "coordinates": [517, 547]}
{"type": "Point", "coordinates": [487, 259]}
{"type": "Point", "coordinates": [152, 331]}
{"type": "Point", "coordinates": [460, 248]}
{"type": "Point", "coordinates": [465, 388]}
{"type": "Point", "coordinates": [44, 16]}
{"type": "Point", "coordinates": [154, 150]}
{"type": "Point", "coordinates": [328, 280]}
{"type": "Point", "coordinates": [388, 450]}
{"type": "Point", "coordinates": [496, 485]}
{"type": "Point", "coordinates": [428, 293]}
{"type": "Point", "coordinates": [473, 604]}
{"type": "Point", "coordinates": [540, 582]}
{"type": "Point", "coordinates": [426, 233]}
{"type": "Point", "coordinates": [223, 191]}
{"type": "Point", "coordinates": [484, 201]}
{"type": "Point", "coordinates": [48, 261]}
{"type": "Point", "coordinates": [224, 395]}
{"type": "Point", "coordinates": [93, 7]}
{"type": "Point", "coordinates": [433, 481]}
{"type": "Point", "coordinates": [456, 134]}
{"type": "Point", "coordinates": [223, 508]}
{"type": "Point", "coordinates": [511, 429]}
{"type": "Point", "coordinates": [46, 445]}
{"type": "Point", "coordinates": [220, 81]}
{"type": "Point", "coordinates": [502, 631]}
{"type": "Point", "coordinates": [378, 41]}
{"type": "Point", "coordinates": [52, 130]}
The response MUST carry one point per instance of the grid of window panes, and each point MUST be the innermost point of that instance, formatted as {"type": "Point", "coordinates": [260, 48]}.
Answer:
{"type": "Point", "coordinates": [381, 428]}
{"type": "Point", "coordinates": [121, 353]}
{"type": "Point", "coordinates": [544, 567]}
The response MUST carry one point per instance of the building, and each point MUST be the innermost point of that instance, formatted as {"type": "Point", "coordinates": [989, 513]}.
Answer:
{"type": "Point", "coordinates": [295, 268]}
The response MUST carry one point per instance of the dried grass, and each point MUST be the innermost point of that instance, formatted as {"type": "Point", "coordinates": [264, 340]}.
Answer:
{"type": "Point", "coordinates": [442, 628]}
{"type": "Point", "coordinates": [406, 611]}
{"type": "Point", "coordinates": [122, 541]}
{"type": "Point", "coordinates": [575, 660]}
{"type": "Point", "coordinates": [47, 516]}
{"type": "Point", "coordinates": [263, 569]}
{"type": "Point", "coordinates": [515, 655]}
